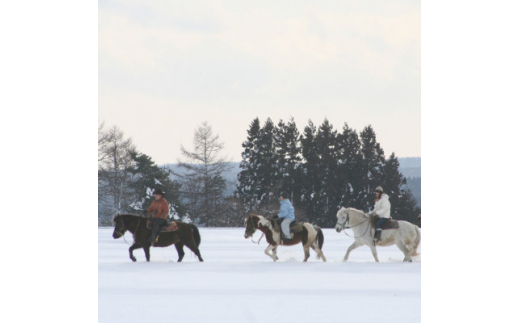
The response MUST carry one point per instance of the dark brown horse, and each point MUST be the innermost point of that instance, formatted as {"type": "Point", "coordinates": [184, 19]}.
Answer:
{"type": "Point", "coordinates": [187, 235]}
{"type": "Point", "coordinates": [311, 236]}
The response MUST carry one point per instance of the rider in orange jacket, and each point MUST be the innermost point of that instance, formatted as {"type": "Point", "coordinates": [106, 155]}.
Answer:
{"type": "Point", "coordinates": [159, 209]}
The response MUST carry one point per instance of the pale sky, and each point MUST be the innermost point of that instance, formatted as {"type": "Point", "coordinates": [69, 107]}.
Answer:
{"type": "Point", "coordinates": [167, 66]}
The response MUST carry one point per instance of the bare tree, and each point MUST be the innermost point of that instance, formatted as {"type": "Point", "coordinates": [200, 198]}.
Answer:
{"type": "Point", "coordinates": [102, 140]}
{"type": "Point", "coordinates": [114, 162]}
{"type": "Point", "coordinates": [203, 185]}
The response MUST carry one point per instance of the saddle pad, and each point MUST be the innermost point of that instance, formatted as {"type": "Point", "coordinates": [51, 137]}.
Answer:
{"type": "Point", "coordinates": [294, 226]}
{"type": "Point", "coordinates": [170, 226]}
{"type": "Point", "coordinates": [390, 224]}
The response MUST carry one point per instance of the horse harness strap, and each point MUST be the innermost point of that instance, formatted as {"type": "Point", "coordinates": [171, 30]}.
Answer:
{"type": "Point", "coordinates": [348, 220]}
{"type": "Point", "coordinates": [254, 230]}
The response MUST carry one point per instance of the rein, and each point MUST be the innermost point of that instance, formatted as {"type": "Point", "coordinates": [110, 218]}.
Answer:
{"type": "Point", "coordinates": [258, 239]}
{"type": "Point", "coordinates": [350, 227]}
{"type": "Point", "coordinates": [254, 230]}
{"type": "Point", "coordinates": [123, 227]}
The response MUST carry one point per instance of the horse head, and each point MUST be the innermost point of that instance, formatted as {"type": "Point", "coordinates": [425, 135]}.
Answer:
{"type": "Point", "coordinates": [119, 227]}
{"type": "Point", "coordinates": [251, 225]}
{"type": "Point", "coordinates": [343, 219]}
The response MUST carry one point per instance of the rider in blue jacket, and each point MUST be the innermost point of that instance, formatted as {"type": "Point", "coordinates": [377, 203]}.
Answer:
{"type": "Point", "coordinates": [287, 214]}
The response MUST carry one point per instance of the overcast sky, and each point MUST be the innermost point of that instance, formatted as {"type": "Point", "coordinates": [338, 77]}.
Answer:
{"type": "Point", "coordinates": [167, 66]}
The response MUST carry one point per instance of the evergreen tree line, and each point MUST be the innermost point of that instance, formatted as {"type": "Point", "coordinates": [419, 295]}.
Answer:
{"type": "Point", "coordinates": [322, 169]}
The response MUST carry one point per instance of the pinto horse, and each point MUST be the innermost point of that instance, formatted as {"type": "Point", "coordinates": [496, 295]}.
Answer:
{"type": "Point", "coordinates": [187, 235]}
{"type": "Point", "coordinates": [407, 237]}
{"type": "Point", "coordinates": [311, 236]}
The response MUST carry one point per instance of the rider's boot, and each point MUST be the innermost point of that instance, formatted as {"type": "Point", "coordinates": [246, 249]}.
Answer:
{"type": "Point", "coordinates": [377, 235]}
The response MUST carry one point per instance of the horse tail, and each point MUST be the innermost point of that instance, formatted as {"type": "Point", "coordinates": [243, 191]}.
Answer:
{"type": "Point", "coordinates": [417, 241]}
{"type": "Point", "coordinates": [321, 238]}
{"type": "Point", "coordinates": [196, 234]}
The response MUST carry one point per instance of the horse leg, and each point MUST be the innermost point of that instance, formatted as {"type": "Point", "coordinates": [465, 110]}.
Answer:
{"type": "Point", "coordinates": [352, 247]}
{"type": "Point", "coordinates": [269, 248]}
{"type": "Point", "coordinates": [180, 250]}
{"type": "Point", "coordinates": [193, 247]}
{"type": "Point", "coordinates": [274, 252]}
{"type": "Point", "coordinates": [405, 250]}
{"type": "Point", "coordinates": [131, 250]}
{"type": "Point", "coordinates": [146, 249]}
{"type": "Point", "coordinates": [307, 253]}
{"type": "Point", "coordinates": [374, 250]}
{"type": "Point", "coordinates": [318, 251]}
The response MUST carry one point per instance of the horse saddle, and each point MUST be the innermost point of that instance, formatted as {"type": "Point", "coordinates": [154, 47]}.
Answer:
{"type": "Point", "coordinates": [169, 227]}
{"type": "Point", "coordinates": [294, 226]}
{"type": "Point", "coordinates": [389, 224]}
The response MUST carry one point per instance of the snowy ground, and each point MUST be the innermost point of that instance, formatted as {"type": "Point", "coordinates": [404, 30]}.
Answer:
{"type": "Point", "coordinates": [239, 283]}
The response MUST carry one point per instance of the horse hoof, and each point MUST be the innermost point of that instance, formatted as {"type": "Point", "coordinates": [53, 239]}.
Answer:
{"type": "Point", "coordinates": [133, 259]}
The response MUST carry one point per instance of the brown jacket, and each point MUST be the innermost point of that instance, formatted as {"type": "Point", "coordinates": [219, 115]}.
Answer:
{"type": "Point", "coordinates": [159, 208]}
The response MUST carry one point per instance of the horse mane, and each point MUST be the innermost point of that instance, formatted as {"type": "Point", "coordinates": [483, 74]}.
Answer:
{"type": "Point", "coordinates": [252, 215]}
{"type": "Point", "coordinates": [348, 209]}
{"type": "Point", "coordinates": [356, 210]}
{"type": "Point", "coordinates": [261, 219]}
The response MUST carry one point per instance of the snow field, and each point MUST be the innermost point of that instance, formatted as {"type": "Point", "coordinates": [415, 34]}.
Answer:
{"type": "Point", "coordinates": [237, 282]}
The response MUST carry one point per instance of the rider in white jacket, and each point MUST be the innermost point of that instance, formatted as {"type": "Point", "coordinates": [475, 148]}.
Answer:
{"type": "Point", "coordinates": [382, 209]}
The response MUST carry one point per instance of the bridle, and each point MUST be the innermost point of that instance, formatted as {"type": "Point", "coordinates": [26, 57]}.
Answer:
{"type": "Point", "coordinates": [347, 219]}
{"type": "Point", "coordinates": [253, 232]}
{"type": "Point", "coordinates": [122, 228]}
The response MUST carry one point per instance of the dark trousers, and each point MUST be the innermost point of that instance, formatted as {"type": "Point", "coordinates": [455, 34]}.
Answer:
{"type": "Point", "coordinates": [380, 222]}
{"type": "Point", "coordinates": [156, 225]}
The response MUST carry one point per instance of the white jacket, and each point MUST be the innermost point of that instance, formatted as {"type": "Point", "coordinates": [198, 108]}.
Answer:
{"type": "Point", "coordinates": [382, 207]}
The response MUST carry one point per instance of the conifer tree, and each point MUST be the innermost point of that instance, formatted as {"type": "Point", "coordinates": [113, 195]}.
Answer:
{"type": "Point", "coordinates": [267, 171]}
{"type": "Point", "coordinates": [392, 179]}
{"type": "Point", "coordinates": [310, 173]}
{"type": "Point", "coordinates": [288, 158]}
{"type": "Point", "coordinates": [330, 195]}
{"type": "Point", "coordinates": [146, 177]}
{"type": "Point", "coordinates": [371, 168]}
{"type": "Point", "coordinates": [404, 205]}
{"type": "Point", "coordinates": [349, 171]}
{"type": "Point", "coordinates": [321, 194]}
{"type": "Point", "coordinates": [249, 188]}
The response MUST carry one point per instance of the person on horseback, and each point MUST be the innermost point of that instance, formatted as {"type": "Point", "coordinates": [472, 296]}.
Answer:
{"type": "Point", "coordinates": [287, 214]}
{"type": "Point", "coordinates": [381, 209]}
{"type": "Point", "coordinates": [159, 209]}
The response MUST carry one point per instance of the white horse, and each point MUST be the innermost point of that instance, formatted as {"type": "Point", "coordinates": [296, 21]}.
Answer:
{"type": "Point", "coordinates": [407, 237]}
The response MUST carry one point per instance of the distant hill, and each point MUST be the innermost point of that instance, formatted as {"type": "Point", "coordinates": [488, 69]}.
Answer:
{"type": "Point", "coordinates": [410, 167]}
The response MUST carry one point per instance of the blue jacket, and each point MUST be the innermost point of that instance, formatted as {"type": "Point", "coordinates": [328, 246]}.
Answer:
{"type": "Point", "coordinates": [286, 210]}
